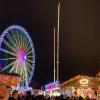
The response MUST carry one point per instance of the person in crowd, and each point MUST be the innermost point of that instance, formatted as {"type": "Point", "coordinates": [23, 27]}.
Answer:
{"type": "Point", "coordinates": [28, 95]}
{"type": "Point", "coordinates": [15, 96]}
{"type": "Point", "coordinates": [4, 91]}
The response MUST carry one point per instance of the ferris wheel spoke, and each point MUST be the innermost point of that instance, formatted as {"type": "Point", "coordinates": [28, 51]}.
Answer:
{"type": "Point", "coordinates": [17, 68]}
{"type": "Point", "coordinates": [29, 47]}
{"type": "Point", "coordinates": [26, 77]}
{"type": "Point", "coordinates": [30, 57]}
{"type": "Point", "coordinates": [28, 68]}
{"type": "Point", "coordinates": [25, 42]}
{"type": "Point", "coordinates": [14, 66]}
{"type": "Point", "coordinates": [6, 51]}
{"type": "Point", "coordinates": [11, 41]}
{"type": "Point", "coordinates": [29, 65]}
{"type": "Point", "coordinates": [15, 37]}
{"type": "Point", "coordinates": [18, 39]}
{"type": "Point", "coordinates": [21, 42]}
{"type": "Point", "coordinates": [8, 45]}
{"type": "Point", "coordinates": [29, 52]}
{"type": "Point", "coordinates": [28, 71]}
{"type": "Point", "coordinates": [25, 70]}
{"type": "Point", "coordinates": [30, 61]}
{"type": "Point", "coordinates": [21, 69]}
{"type": "Point", "coordinates": [7, 59]}
{"type": "Point", "coordinates": [12, 69]}
{"type": "Point", "coordinates": [23, 75]}
{"type": "Point", "coordinates": [9, 65]}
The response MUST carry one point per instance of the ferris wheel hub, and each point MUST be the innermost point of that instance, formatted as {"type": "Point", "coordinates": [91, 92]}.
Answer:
{"type": "Point", "coordinates": [22, 56]}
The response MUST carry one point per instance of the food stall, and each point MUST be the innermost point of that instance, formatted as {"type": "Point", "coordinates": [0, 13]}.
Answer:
{"type": "Point", "coordinates": [81, 86]}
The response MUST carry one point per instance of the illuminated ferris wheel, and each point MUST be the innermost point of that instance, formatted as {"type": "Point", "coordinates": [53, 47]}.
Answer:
{"type": "Point", "coordinates": [17, 53]}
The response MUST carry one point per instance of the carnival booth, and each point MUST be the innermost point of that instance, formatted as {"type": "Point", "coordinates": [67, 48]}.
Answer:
{"type": "Point", "coordinates": [7, 82]}
{"type": "Point", "coordinates": [10, 79]}
{"type": "Point", "coordinates": [81, 86]}
{"type": "Point", "coordinates": [52, 89]}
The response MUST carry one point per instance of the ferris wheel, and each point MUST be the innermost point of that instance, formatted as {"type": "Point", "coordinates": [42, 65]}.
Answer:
{"type": "Point", "coordinates": [17, 53]}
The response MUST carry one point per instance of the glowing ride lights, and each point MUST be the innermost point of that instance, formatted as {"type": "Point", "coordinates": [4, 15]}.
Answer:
{"type": "Point", "coordinates": [17, 53]}
{"type": "Point", "coordinates": [9, 79]}
{"type": "Point", "coordinates": [84, 81]}
{"type": "Point", "coordinates": [52, 89]}
{"type": "Point", "coordinates": [22, 56]}
{"type": "Point", "coordinates": [52, 86]}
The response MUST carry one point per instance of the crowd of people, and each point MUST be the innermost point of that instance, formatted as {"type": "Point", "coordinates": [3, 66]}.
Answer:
{"type": "Point", "coordinates": [7, 94]}
{"type": "Point", "coordinates": [28, 96]}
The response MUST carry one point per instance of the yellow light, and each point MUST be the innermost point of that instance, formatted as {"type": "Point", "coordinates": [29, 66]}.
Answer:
{"type": "Point", "coordinates": [84, 81]}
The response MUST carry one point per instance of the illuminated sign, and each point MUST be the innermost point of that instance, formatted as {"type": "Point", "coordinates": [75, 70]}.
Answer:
{"type": "Point", "coordinates": [52, 86]}
{"type": "Point", "coordinates": [84, 81]}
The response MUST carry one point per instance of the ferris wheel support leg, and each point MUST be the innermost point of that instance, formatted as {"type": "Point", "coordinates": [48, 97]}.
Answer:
{"type": "Point", "coordinates": [26, 84]}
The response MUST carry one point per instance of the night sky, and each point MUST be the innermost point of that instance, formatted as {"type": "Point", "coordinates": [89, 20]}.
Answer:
{"type": "Point", "coordinates": [79, 34]}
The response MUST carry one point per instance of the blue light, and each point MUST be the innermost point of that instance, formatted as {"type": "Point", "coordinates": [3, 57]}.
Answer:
{"type": "Point", "coordinates": [25, 57]}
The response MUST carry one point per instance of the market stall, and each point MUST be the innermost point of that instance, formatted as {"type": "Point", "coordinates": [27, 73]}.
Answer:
{"type": "Point", "coordinates": [81, 86]}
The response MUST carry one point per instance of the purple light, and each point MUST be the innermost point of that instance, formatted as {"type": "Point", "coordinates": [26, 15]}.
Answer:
{"type": "Point", "coordinates": [22, 56]}
{"type": "Point", "coordinates": [52, 85]}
